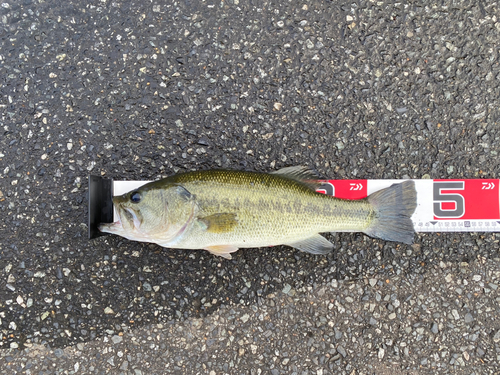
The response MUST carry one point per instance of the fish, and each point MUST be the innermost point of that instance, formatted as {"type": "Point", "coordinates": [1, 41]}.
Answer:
{"type": "Point", "coordinates": [222, 211]}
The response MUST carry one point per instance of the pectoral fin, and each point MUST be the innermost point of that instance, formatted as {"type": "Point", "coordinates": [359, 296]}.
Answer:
{"type": "Point", "coordinates": [219, 223]}
{"type": "Point", "coordinates": [316, 244]}
{"type": "Point", "coordinates": [222, 250]}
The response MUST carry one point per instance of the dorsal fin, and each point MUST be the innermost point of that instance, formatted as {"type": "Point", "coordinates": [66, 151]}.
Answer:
{"type": "Point", "coordinates": [301, 174]}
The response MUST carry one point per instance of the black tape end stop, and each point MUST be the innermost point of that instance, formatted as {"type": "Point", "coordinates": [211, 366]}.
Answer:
{"type": "Point", "coordinates": [100, 204]}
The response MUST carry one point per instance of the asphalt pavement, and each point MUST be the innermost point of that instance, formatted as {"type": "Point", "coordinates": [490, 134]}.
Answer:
{"type": "Point", "coordinates": [138, 90]}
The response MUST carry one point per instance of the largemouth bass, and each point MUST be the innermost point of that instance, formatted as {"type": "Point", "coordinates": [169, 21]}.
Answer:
{"type": "Point", "coordinates": [222, 211]}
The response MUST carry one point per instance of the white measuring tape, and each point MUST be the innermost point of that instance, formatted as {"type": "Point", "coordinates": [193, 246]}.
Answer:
{"type": "Point", "coordinates": [442, 205]}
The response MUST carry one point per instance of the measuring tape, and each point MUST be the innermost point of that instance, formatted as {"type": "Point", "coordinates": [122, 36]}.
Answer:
{"type": "Point", "coordinates": [442, 205]}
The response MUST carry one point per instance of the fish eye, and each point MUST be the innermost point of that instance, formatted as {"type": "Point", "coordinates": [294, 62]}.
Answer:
{"type": "Point", "coordinates": [135, 197]}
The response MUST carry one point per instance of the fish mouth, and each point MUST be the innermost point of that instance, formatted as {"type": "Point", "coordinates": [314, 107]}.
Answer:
{"type": "Point", "coordinates": [123, 214]}
{"type": "Point", "coordinates": [112, 228]}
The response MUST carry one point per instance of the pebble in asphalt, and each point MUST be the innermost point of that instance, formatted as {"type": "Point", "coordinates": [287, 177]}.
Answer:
{"type": "Point", "coordinates": [136, 90]}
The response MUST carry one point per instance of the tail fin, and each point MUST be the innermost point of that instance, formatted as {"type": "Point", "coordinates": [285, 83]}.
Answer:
{"type": "Point", "coordinates": [393, 209]}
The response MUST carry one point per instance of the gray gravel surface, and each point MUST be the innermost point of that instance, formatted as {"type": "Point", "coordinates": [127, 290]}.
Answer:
{"type": "Point", "coordinates": [141, 90]}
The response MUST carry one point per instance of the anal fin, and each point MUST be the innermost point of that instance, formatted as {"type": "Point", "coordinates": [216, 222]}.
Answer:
{"type": "Point", "coordinates": [316, 244]}
{"type": "Point", "coordinates": [222, 250]}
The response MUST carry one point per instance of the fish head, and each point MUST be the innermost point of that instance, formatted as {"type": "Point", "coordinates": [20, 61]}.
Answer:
{"type": "Point", "coordinates": [152, 213]}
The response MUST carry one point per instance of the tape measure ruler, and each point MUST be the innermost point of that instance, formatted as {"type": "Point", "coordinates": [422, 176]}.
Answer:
{"type": "Point", "coordinates": [443, 205]}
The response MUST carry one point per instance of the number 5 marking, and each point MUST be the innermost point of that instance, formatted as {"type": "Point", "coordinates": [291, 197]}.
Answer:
{"type": "Point", "coordinates": [440, 198]}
